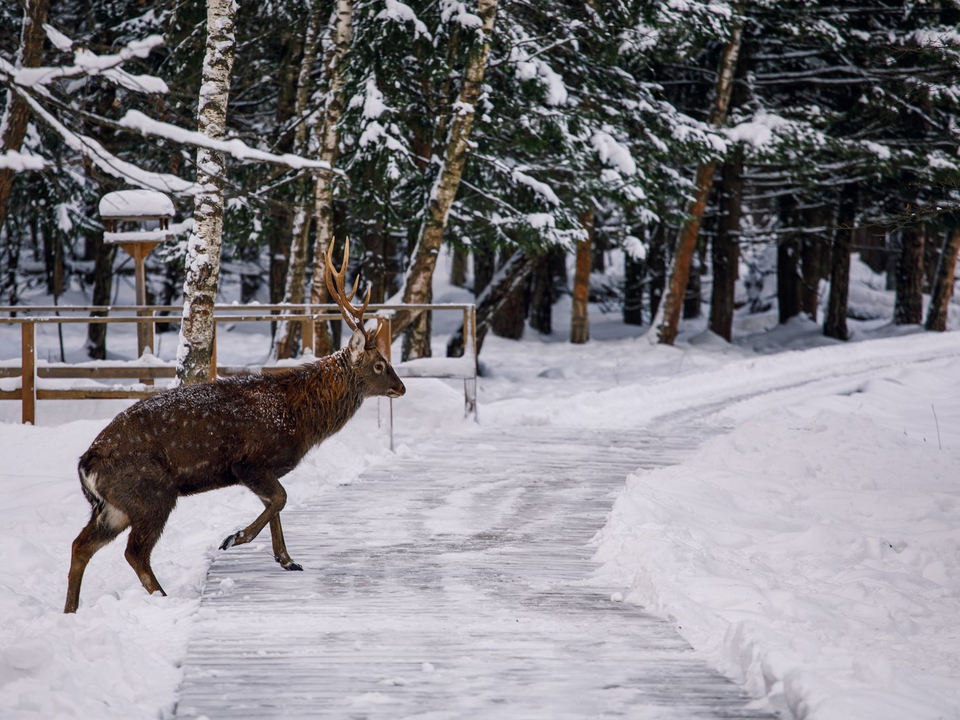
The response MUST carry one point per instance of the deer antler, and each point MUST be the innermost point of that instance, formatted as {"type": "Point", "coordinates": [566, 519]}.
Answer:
{"type": "Point", "coordinates": [351, 315]}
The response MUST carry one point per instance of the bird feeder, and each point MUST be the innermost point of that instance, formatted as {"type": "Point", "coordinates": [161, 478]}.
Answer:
{"type": "Point", "coordinates": [138, 206]}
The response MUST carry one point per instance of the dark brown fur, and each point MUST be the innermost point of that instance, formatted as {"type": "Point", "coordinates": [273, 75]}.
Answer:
{"type": "Point", "coordinates": [249, 430]}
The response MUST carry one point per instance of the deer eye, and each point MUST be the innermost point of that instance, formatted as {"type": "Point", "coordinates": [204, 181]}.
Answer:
{"type": "Point", "coordinates": [378, 368]}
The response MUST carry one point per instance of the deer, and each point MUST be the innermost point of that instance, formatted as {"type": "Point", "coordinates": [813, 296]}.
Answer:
{"type": "Point", "coordinates": [247, 430]}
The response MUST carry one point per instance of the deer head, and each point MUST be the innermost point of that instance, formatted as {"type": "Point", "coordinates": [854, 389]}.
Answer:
{"type": "Point", "coordinates": [363, 352]}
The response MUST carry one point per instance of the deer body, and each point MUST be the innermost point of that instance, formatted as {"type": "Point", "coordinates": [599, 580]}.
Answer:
{"type": "Point", "coordinates": [249, 430]}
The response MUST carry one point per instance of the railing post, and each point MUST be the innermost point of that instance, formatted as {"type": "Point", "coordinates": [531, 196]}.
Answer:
{"type": "Point", "coordinates": [146, 338]}
{"type": "Point", "coordinates": [470, 346]}
{"type": "Point", "coordinates": [28, 373]}
{"type": "Point", "coordinates": [213, 352]}
{"type": "Point", "coordinates": [386, 351]}
{"type": "Point", "coordinates": [307, 337]}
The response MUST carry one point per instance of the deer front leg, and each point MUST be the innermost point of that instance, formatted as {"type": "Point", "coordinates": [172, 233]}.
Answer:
{"type": "Point", "coordinates": [273, 496]}
{"type": "Point", "coordinates": [280, 547]}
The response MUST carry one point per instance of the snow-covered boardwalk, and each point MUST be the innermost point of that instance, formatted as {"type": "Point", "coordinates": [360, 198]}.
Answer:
{"type": "Point", "coordinates": [451, 584]}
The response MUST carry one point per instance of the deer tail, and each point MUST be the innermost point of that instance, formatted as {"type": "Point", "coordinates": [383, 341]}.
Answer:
{"type": "Point", "coordinates": [88, 482]}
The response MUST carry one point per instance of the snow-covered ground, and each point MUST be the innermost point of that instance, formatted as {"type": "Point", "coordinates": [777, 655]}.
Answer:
{"type": "Point", "coordinates": [812, 552]}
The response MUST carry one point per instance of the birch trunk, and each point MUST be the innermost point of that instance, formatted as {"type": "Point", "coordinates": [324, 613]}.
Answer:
{"type": "Point", "coordinates": [16, 112]}
{"type": "Point", "coordinates": [424, 257]}
{"type": "Point", "coordinates": [579, 318]}
{"type": "Point", "coordinates": [323, 189]}
{"type": "Point", "coordinates": [294, 290]}
{"type": "Point", "coordinates": [687, 240]}
{"type": "Point", "coordinates": [943, 283]}
{"type": "Point", "coordinates": [203, 248]}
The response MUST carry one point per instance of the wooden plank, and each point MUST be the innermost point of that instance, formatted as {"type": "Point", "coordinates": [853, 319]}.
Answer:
{"type": "Point", "coordinates": [28, 364]}
{"type": "Point", "coordinates": [451, 583]}
{"type": "Point", "coordinates": [92, 393]}
{"type": "Point", "coordinates": [10, 394]}
{"type": "Point", "coordinates": [61, 371]}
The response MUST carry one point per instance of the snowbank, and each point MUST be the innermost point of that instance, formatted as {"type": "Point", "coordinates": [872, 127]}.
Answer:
{"type": "Point", "coordinates": [814, 551]}
{"type": "Point", "coordinates": [120, 655]}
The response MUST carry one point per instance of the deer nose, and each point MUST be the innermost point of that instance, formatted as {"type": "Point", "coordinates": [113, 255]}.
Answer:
{"type": "Point", "coordinates": [398, 391]}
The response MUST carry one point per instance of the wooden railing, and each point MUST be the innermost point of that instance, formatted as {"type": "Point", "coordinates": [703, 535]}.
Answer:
{"type": "Point", "coordinates": [147, 369]}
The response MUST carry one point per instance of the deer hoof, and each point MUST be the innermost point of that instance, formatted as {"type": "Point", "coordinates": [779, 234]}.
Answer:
{"type": "Point", "coordinates": [229, 541]}
{"type": "Point", "coordinates": [292, 566]}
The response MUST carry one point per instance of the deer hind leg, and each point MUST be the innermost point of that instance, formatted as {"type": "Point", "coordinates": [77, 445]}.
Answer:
{"type": "Point", "coordinates": [144, 534]}
{"type": "Point", "coordinates": [103, 527]}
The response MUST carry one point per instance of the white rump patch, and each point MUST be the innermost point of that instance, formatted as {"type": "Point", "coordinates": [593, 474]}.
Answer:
{"type": "Point", "coordinates": [113, 517]}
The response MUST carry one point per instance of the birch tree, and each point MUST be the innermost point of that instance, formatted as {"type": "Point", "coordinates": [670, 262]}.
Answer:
{"type": "Point", "coordinates": [294, 289]}
{"type": "Point", "coordinates": [424, 258]}
{"type": "Point", "coordinates": [323, 189]}
{"type": "Point", "coordinates": [16, 112]}
{"type": "Point", "coordinates": [672, 304]}
{"type": "Point", "coordinates": [195, 350]}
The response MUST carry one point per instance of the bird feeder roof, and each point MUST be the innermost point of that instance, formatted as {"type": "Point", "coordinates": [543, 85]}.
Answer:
{"type": "Point", "coordinates": [135, 205]}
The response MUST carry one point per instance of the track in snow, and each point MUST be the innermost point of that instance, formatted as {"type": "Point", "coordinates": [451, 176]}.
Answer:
{"type": "Point", "coordinates": [451, 585]}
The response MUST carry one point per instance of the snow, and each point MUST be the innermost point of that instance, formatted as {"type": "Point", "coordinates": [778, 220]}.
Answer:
{"type": "Point", "coordinates": [759, 131]}
{"type": "Point", "coordinates": [539, 187]}
{"type": "Point", "coordinates": [814, 551]}
{"type": "Point", "coordinates": [135, 203]}
{"type": "Point", "coordinates": [613, 152]}
{"type": "Point", "coordinates": [403, 13]}
{"type": "Point", "coordinates": [809, 549]}
{"type": "Point", "coordinates": [18, 162]}
{"type": "Point", "coordinates": [89, 63]}
{"type": "Point", "coordinates": [137, 121]}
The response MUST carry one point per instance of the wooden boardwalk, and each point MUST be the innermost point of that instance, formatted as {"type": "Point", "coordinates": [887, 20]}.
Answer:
{"type": "Point", "coordinates": [453, 584]}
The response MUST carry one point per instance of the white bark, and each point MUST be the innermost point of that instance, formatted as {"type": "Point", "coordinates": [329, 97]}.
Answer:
{"type": "Point", "coordinates": [329, 134]}
{"type": "Point", "coordinates": [417, 288]}
{"type": "Point", "coordinates": [203, 248]}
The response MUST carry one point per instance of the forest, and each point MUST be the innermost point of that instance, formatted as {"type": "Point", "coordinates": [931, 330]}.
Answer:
{"type": "Point", "coordinates": [690, 143]}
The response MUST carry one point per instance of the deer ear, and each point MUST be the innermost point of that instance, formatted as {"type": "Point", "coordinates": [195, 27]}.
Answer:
{"type": "Point", "coordinates": [355, 347]}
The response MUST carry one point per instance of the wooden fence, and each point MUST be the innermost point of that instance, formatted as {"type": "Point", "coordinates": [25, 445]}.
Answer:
{"type": "Point", "coordinates": [147, 369]}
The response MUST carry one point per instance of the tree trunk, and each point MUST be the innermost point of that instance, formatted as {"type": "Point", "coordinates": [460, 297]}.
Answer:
{"type": "Point", "coordinates": [458, 270]}
{"type": "Point", "coordinates": [287, 334]}
{"type": "Point", "coordinates": [203, 248]}
{"type": "Point", "coordinates": [579, 319]}
{"type": "Point", "coordinates": [510, 319]}
{"type": "Point", "coordinates": [687, 241]}
{"type": "Point", "coordinates": [835, 325]}
{"type": "Point", "coordinates": [507, 279]}
{"type": "Point", "coordinates": [484, 268]}
{"type": "Point", "coordinates": [908, 308]}
{"type": "Point", "coordinates": [931, 257]}
{"type": "Point", "coordinates": [634, 271]}
{"type": "Point", "coordinates": [13, 247]}
{"type": "Point", "coordinates": [104, 256]}
{"type": "Point", "coordinates": [726, 246]}
{"type": "Point", "coordinates": [16, 112]}
{"type": "Point", "coordinates": [542, 295]}
{"type": "Point", "coordinates": [323, 188]}
{"type": "Point", "coordinates": [424, 257]}
{"type": "Point", "coordinates": [788, 262]}
{"type": "Point", "coordinates": [657, 267]}
{"type": "Point", "coordinates": [810, 255]}
{"type": "Point", "coordinates": [943, 283]}
{"type": "Point", "coordinates": [692, 300]}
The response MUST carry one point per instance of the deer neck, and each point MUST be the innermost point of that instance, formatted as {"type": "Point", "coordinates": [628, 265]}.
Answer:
{"type": "Point", "coordinates": [323, 404]}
